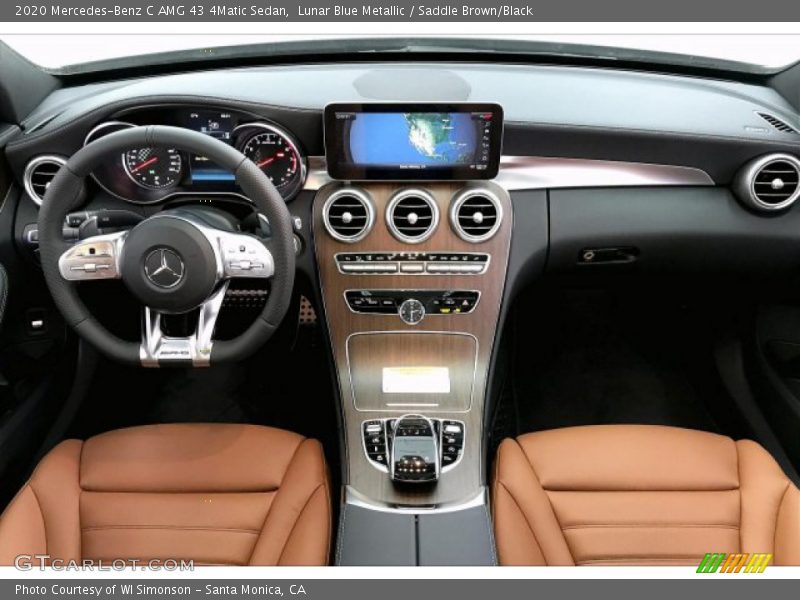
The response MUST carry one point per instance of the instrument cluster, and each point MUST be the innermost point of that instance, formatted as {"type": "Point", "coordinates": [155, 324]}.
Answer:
{"type": "Point", "coordinates": [149, 175]}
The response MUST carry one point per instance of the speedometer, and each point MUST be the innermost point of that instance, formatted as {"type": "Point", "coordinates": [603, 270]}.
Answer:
{"type": "Point", "coordinates": [277, 155]}
{"type": "Point", "coordinates": [153, 168]}
{"type": "Point", "coordinates": [274, 156]}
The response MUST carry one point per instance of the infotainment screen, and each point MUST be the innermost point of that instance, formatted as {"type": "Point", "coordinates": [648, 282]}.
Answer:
{"type": "Point", "coordinates": [413, 141]}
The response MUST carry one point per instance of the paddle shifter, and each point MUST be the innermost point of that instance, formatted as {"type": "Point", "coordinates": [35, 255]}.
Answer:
{"type": "Point", "coordinates": [414, 450]}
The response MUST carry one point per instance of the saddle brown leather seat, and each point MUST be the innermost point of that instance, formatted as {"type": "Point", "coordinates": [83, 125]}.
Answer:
{"type": "Point", "coordinates": [212, 493]}
{"type": "Point", "coordinates": [640, 495]}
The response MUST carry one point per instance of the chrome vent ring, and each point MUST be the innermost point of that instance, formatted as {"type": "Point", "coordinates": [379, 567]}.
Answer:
{"type": "Point", "coordinates": [412, 215]}
{"type": "Point", "coordinates": [770, 183]}
{"type": "Point", "coordinates": [476, 215]}
{"type": "Point", "coordinates": [39, 173]}
{"type": "Point", "coordinates": [349, 215]}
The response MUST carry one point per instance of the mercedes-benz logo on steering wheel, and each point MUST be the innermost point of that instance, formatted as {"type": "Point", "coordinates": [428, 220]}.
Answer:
{"type": "Point", "coordinates": [164, 268]}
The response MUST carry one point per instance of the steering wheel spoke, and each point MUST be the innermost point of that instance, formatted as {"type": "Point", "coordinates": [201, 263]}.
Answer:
{"type": "Point", "coordinates": [94, 258]}
{"type": "Point", "coordinates": [158, 349]}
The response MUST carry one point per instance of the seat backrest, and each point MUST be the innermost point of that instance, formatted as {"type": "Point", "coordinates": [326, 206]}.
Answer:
{"type": "Point", "coordinates": [640, 495]}
{"type": "Point", "coordinates": [213, 494]}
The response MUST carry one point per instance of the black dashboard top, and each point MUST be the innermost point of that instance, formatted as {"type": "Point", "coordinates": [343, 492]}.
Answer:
{"type": "Point", "coordinates": [540, 94]}
{"type": "Point", "coordinates": [555, 111]}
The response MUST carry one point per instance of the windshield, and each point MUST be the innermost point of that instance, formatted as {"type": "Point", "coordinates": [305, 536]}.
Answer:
{"type": "Point", "coordinates": [74, 53]}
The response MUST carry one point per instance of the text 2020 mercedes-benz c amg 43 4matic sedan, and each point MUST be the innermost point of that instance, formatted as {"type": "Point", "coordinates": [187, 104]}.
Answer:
{"type": "Point", "coordinates": [384, 302]}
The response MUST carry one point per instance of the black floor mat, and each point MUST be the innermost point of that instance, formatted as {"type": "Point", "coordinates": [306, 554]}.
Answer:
{"type": "Point", "coordinates": [596, 357]}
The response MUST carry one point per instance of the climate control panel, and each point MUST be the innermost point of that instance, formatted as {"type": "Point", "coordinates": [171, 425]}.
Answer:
{"type": "Point", "coordinates": [412, 305]}
{"type": "Point", "coordinates": [412, 263]}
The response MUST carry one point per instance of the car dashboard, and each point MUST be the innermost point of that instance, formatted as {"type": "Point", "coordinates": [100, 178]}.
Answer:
{"type": "Point", "coordinates": [600, 171]}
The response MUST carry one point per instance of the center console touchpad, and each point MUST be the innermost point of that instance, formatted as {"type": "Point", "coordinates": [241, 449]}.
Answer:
{"type": "Point", "coordinates": [412, 371]}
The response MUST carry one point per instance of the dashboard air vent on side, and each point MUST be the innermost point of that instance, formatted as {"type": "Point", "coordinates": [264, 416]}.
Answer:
{"type": "Point", "coordinates": [769, 183]}
{"type": "Point", "coordinates": [39, 173]}
{"type": "Point", "coordinates": [348, 215]}
{"type": "Point", "coordinates": [475, 215]}
{"type": "Point", "coordinates": [412, 216]}
{"type": "Point", "coordinates": [777, 123]}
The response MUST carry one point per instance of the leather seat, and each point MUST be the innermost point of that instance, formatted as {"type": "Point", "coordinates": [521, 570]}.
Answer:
{"type": "Point", "coordinates": [216, 494]}
{"type": "Point", "coordinates": [640, 495]}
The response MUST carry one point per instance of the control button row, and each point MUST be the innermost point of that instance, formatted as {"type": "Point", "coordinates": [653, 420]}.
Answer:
{"type": "Point", "coordinates": [374, 433]}
{"type": "Point", "coordinates": [451, 435]}
{"type": "Point", "coordinates": [452, 442]}
{"type": "Point", "coordinates": [373, 303]}
{"type": "Point", "coordinates": [89, 267]}
{"type": "Point", "coordinates": [455, 305]}
{"type": "Point", "coordinates": [412, 466]}
{"type": "Point", "coordinates": [369, 268]}
{"type": "Point", "coordinates": [412, 263]}
{"type": "Point", "coordinates": [444, 302]}
{"type": "Point", "coordinates": [454, 268]}
{"type": "Point", "coordinates": [473, 257]}
{"type": "Point", "coordinates": [382, 268]}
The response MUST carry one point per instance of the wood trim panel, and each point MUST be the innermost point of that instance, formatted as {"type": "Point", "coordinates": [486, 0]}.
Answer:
{"type": "Point", "coordinates": [368, 354]}
{"type": "Point", "coordinates": [464, 481]}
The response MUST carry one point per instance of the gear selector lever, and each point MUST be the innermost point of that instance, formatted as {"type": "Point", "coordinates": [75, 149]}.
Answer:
{"type": "Point", "coordinates": [414, 450]}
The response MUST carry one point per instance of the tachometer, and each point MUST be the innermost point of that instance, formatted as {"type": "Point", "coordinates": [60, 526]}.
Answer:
{"type": "Point", "coordinates": [276, 154]}
{"type": "Point", "coordinates": [153, 168]}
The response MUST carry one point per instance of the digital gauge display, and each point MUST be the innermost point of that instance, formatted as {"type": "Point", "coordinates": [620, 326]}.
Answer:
{"type": "Point", "coordinates": [218, 125]}
{"type": "Point", "coordinates": [148, 175]}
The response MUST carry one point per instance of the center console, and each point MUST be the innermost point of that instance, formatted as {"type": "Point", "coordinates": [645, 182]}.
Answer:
{"type": "Point", "coordinates": [412, 275]}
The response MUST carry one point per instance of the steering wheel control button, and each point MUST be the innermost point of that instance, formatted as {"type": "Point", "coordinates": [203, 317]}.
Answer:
{"type": "Point", "coordinates": [90, 268]}
{"type": "Point", "coordinates": [164, 268]}
{"type": "Point", "coordinates": [243, 265]}
{"type": "Point", "coordinates": [246, 257]}
{"type": "Point", "coordinates": [412, 311]}
{"type": "Point", "coordinates": [95, 258]}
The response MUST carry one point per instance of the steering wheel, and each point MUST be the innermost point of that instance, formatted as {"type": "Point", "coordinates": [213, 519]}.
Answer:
{"type": "Point", "coordinates": [173, 262]}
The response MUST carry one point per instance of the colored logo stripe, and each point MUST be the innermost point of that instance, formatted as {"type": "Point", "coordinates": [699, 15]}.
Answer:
{"type": "Point", "coordinates": [714, 562]}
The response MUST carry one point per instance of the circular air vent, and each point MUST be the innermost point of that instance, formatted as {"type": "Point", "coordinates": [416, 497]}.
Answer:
{"type": "Point", "coordinates": [412, 216]}
{"type": "Point", "coordinates": [475, 215]}
{"type": "Point", "coordinates": [348, 215]}
{"type": "Point", "coordinates": [769, 183]}
{"type": "Point", "coordinates": [38, 175]}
